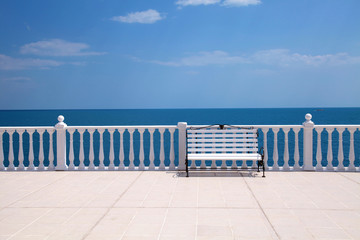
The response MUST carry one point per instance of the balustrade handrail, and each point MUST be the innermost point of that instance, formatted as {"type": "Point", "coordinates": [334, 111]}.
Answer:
{"type": "Point", "coordinates": [338, 125]}
{"type": "Point", "coordinates": [256, 126]}
{"type": "Point", "coordinates": [123, 127]}
{"type": "Point", "coordinates": [25, 128]}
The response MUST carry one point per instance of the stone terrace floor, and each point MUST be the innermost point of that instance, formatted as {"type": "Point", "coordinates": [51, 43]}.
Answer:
{"type": "Point", "coordinates": [162, 205]}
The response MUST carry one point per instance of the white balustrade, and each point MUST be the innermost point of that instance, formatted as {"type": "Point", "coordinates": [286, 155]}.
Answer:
{"type": "Point", "coordinates": [296, 150]}
{"type": "Point", "coordinates": [275, 152]}
{"type": "Point", "coordinates": [11, 151]}
{"type": "Point", "coordinates": [265, 148]}
{"type": "Point", "coordinates": [329, 157]}
{"type": "Point", "coordinates": [162, 153]}
{"type": "Point", "coordinates": [51, 149]}
{"type": "Point", "coordinates": [122, 153]}
{"type": "Point", "coordinates": [340, 150]}
{"type": "Point", "coordinates": [91, 151]}
{"type": "Point", "coordinates": [41, 151]}
{"type": "Point", "coordinates": [151, 154]}
{"type": "Point", "coordinates": [101, 150]}
{"type": "Point", "coordinates": [137, 146]}
{"type": "Point", "coordinates": [172, 152]}
{"type": "Point", "coordinates": [111, 153]}
{"type": "Point", "coordinates": [141, 154]}
{"type": "Point", "coordinates": [351, 150]}
{"type": "Point", "coordinates": [71, 149]}
{"type": "Point", "coordinates": [81, 150]}
{"type": "Point", "coordinates": [286, 166]}
{"type": "Point", "coordinates": [318, 150]}
{"type": "Point", "coordinates": [2, 166]}
{"type": "Point", "coordinates": [31, 150]}
{"type": "Point", "coordinates": [21, 151]}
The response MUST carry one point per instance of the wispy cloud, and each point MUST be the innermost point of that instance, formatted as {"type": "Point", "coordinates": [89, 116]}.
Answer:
{"type": "Point", "coordinates": [226, 3]}
{"type": "Point", "coordinates": [204, 58]}
{"type": "Point", "coordinates": [240, 3]}
{"type": "Point", "coordinates": [10, 63]}
{"type": "Point", "coordinates": [16, 79]}
{"type": "Point", "coordinates": [275, 57]}
{"type": "Point", "coordinates": [148, 17]}
{"type": "Point", "coordinates": [196, 2]}
{"type": "Point", "coordinates": [284, 57]}
{"type": "Point", "coordinates": [57, 48]}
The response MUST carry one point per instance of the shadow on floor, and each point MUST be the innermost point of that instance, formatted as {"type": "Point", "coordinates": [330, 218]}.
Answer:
{"type": "Point", "coordinates": [219, 173]}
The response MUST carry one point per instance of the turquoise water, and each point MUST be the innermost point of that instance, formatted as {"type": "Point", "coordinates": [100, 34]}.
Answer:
{"type": "Point", "coordinates": [281, 116]}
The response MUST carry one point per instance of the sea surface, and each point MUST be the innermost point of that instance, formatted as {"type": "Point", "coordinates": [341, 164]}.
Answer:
{"type": "Point", "coordinates": [251, 116]}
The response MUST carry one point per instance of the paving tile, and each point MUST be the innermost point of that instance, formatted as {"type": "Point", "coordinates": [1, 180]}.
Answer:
{"type": "Point", "coordinates": [155, 205]}
{"type": "Point", "coordinates": [328, 233]}
{"type": "Point", "coordinates": [213, 231]}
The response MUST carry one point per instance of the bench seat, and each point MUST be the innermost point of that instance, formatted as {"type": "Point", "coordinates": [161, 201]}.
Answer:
{"type": "Point", "coordinates": [225, 156]}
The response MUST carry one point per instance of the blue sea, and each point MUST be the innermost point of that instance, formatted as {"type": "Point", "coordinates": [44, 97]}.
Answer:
{"type": "Point", "coordinates": [258, 116]}
{"type": "Point", "coordinates": [251, 116]}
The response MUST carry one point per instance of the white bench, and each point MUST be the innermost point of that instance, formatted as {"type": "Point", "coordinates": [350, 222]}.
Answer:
{"type": "Point", "coordinates": [223, 142]}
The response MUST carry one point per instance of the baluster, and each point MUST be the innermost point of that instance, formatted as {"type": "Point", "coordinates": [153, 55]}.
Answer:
{"type": "Point", "coordinates": [131, 150]}
{"type": "Point", "coordinates": [11, 151]}
{"type": "Point", "coordinates": [41, 150]}
{"type": "Point", "coordinates": [223, 163]}
{"type": "Point", "coordinates": [254, 163]}
{"type": "Point", "coordinates": [202, 163]}
{"type": "Point", "coordinates": [329, 166]}
{"type": "Point", "coordinates": [91, 153]}
{"type": "Point", "coordinates": [233, 162]}
{"type": "Point", "coordinates": [81, 150]}
{"type": "Point", "coordinates": [21, 151]}
{"type": "Point", "coordinates": [296, 150]}
{"type": "Point", "coordinates": [172, 153]}
{"type": "Point", "coordinates": [141, 154]}
{"type": "Point", "coordinates": [121, 157]}
{"type": "Point", "coordinates": [162, 152]}
{"type": "Point", "coordinates": [31, 150]}
{"type": "Point", "coordinates": [286, 149]}
{"type": "Point", "coordinates": [51, 150]}
{"type": "Point", "coordinates": [71, 149]}
{"type": "Point", "coordinates": [2, 167]}
{"type": "Point", "coordinates": [318, 150]}
{"type": "Point", "coordinates": [351, 150]}
{"type": "Point", "coordinates": [340, 151]}
{"type": "Point", "coordinates": [265, 131]}
{"type": "Point", "coordinates": [275, 152]}
{"type": "Point", "coordinates": [111, 153]}
{"type": "Point", "coordinates": [151, 155]}
{"type": "Point", "coordinates": [213, 163]}
{"type": "Point", "coordinates": [101, 150]}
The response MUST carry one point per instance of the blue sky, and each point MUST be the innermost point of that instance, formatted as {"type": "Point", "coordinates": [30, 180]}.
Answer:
{"type": "Point", "coordinates": [179, 54]}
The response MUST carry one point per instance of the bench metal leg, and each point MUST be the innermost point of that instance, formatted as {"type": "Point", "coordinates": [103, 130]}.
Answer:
{"type": "Point", "coordinates": [187, 167]}
{"type": "Point", "coordinates": [263, 165]}
{"type": "Point", "coordinates": [258, 165]}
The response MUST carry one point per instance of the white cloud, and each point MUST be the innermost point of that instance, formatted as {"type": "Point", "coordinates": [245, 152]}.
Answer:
{"type": "Point", "coordinates": [226, 3]}
{"type": "Point", "coordinates": [58, 48]}
{"type": "Point", "coordinates": [16, 79]}
{"type": "Point", "coordinates": [203, 59]}
{"type": "Point", "coordinates": [149, 16]}
{"type": "Point", "coordinates": [196, 2]}
{"type": "Point", "coordinates": [275, 57]}
{"type": "Point", "coordinates": [284, 57]}
{"type": "Point", "coordinates": [240, 3]}
{"type": "Point", "coordinates": [9, 63]}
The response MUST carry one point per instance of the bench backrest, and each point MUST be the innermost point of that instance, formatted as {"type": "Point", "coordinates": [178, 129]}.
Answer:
{"type": "Point", "coordinates": [222, 140]}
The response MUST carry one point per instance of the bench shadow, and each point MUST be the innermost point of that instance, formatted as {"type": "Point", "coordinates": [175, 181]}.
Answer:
{"type": "Point", "coordinates": [207, 173]}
